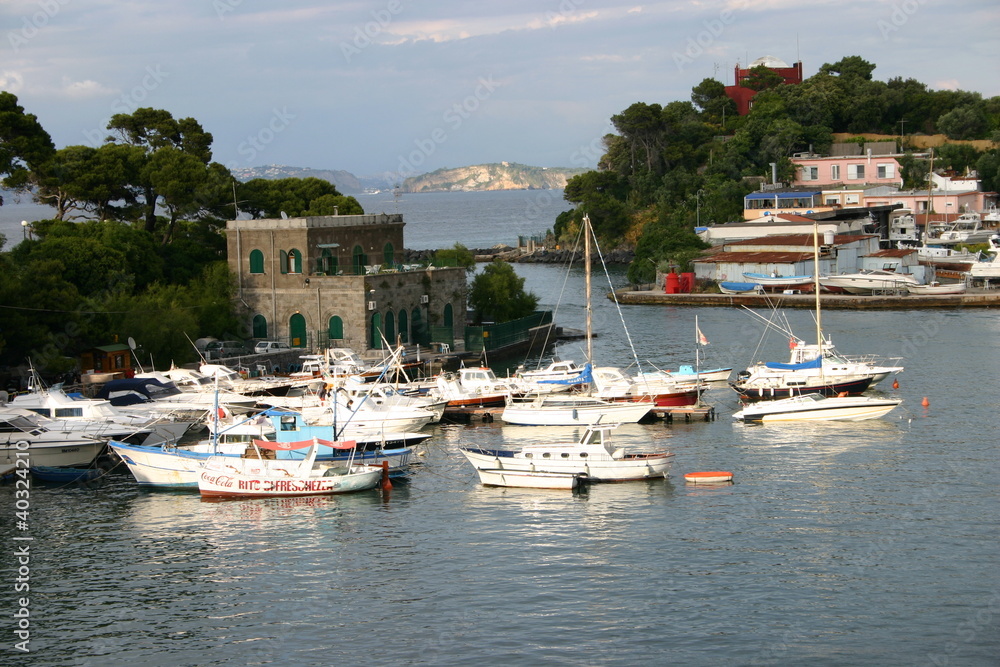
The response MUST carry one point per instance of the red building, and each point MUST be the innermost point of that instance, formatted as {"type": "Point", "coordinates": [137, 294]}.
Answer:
{"type": "Point", "coordinates": [743, 97]}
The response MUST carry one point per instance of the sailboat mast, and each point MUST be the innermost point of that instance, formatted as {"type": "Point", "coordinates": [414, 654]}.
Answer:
{"type": "Point", "coordinates": [819, 326]}
{"type": "Point", "coordinates": [586, 268]}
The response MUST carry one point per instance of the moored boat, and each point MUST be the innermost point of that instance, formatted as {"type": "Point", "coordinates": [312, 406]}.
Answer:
{"type": "Point", "coordinates": [526, 479]}
{"type": "Point", "coordinates": [772, 282]}
{"type": "Point", "coordinates": [729, 287]}
{"type": "Point", "coordinates": [935, 288]}
{"type": "Point", "coordinates": [816, 407]}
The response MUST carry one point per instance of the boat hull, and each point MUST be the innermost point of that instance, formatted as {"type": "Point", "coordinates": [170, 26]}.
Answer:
{"type": "Point", "coordinates": [218, 483]}
{"type": "Point", "coordinates": [829, 409]}
{"type": "Point", "coordinates": [757, 393]}
{"type": "Point", "coordinates": [53, 453]}
{"type": "Point", "coordinates": [529, 480]}
{"type": "Point", "coordinates": [639, 467]}
{"type": "Point", "coordinates": [625, 412]}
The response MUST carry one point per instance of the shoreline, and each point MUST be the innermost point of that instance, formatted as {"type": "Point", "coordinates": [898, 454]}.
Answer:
{"type": "Point", "coordinates": [974, 298]}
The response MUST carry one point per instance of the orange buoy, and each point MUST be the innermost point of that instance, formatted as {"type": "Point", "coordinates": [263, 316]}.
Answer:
{"type": "Point", "coordinates": [925, 402]}
{"type": "Point", "coordinates": [386, 484]}
{"type": "Point", "coordinates": [895, 384]}
{"type": "Point", "coordinates": [713, 477]}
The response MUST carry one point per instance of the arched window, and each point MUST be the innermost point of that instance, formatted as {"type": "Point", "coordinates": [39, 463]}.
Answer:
{"type": "Point", "coordinates": [336, 328]}
{"type": "Point", "coordinates": [376, 333]}
{"type": "Point", "coordinates": [256, 261]}
{"type": "Point", "coordinates": [259, 326]}
{"type": "Point", "coordinates": [360, 259]}
{"type": "Point", "coordinates": [390, 328]}
{"type": "Point", "coordinates": [294, 261]}
{"type": "Point", "coordinates": [404, 333]}
{"type": "Point", "coordinates": [283, 261]}
{"type": "Point", "coordinates": [448, 316]}
{"type": "Point", "coordinates": [388, 255]}
{"type": "Point", "coordinates": [326, 264]}
{"type": "Point", "coordinates": [297, 330]}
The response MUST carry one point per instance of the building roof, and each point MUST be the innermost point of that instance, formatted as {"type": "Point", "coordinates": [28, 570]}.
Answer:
{"type": "Point", "coordinates": [769, 61]}
{"type": "Point", "coordinates": [770, 257]}
{"type": "Point", "coordinates": [798, 239]}
{"type": "Point", "coordinates": [119, 347]}
{"type": "Point", "coordinates": [782, 194]}
{"type": "Point", "coordinates": [893, 252]}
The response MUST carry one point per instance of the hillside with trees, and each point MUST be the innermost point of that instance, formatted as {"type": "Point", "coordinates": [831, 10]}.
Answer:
{"type": "Point", "coordinates": [135, 246]}
{"type": "Point", "coordinates": [670, 167]}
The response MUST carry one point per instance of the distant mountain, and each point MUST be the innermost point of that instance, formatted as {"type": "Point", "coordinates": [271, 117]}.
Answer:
{"type": "Point", "coordinates": [495, 176]}
{"type": "Point", "coordinates": [346, 182]}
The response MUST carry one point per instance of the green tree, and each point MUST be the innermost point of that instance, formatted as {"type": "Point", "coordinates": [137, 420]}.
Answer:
{"type": "Point", "coordinates": [965, 122]}
{"type": "Point", "coordinates": [710, 96]}
{"type": "Point", "coordinates": [295, 197]}
{"type": "Point", "coordinates": [762, 77]}
{"type": "Point", "coordinates": [24, 144]}
{"type": "Point", "coordinates": [156, 130]}
{"type": "Point", "coordinates": [457, 255]}
{"type": "Point", "coordinates": [498, 295]}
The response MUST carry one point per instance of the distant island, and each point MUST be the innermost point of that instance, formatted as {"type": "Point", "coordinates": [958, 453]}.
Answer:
{"type": "Point", "coordinates": [480, 177]}
{"type": "Point", "coordinates": [495, 176]}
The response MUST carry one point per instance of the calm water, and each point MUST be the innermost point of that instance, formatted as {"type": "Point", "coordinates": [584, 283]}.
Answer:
{"type": "Point", "coordinates": [872, 543]}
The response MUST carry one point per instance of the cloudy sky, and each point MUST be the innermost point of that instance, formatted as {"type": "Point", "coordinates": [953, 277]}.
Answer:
{"type": "Point", "coordinates": [404, 86]}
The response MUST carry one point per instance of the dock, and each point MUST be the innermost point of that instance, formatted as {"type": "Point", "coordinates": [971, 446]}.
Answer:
{"type": "Point", "coordinates": [487, 415]}
{"type": "Point", "coordinates": [973, 298]}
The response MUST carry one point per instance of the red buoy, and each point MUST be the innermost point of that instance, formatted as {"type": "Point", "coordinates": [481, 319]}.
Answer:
{"type": "Point", "coordinates": [895, 384]}
{"type": "Point", "coordinates": [925, 402]}
{"type": "Point", "coordinates": [386, 484]}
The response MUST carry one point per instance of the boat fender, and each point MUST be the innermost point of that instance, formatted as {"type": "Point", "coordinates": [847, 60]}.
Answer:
{"type": "Point", "coordinates": [842, 394]}
{"type": "Point", "coordinates": [575, 416]}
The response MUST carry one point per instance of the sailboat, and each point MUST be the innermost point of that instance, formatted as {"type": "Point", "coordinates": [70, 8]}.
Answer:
{"type": "Point", "coordinates": [587, 407]}
{"type": "Point", "coordinates": [825, 374]}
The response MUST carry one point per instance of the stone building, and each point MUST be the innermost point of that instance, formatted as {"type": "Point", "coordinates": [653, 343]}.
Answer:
{"type": "Point", "coordinates": [337, 281]}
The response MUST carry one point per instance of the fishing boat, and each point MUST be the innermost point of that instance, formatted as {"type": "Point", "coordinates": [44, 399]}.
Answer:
{"type": "Point", "coordinates": [935, 288]}
{"type": "Point", "coordinates": [524, 479]}
{"type": "Point", "coordinates": [772, 282]}
{"type": "Point", "coordinates": [729, 287]}
{"type": "Point", "coordinates": [256, 475]}
{"type": "Point", "coordinates": [817, 407]}
{"type": "Point", "coordinates": [593, 455]}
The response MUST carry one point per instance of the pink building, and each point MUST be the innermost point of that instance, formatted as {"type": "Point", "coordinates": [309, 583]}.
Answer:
{"type": "Point", "coordinates": [846, 170]}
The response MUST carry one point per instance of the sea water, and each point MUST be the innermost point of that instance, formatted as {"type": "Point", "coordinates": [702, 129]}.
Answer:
{"type": "Point", "coordinates": [838, 544]}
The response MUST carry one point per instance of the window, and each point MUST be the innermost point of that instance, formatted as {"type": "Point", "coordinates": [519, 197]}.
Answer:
{"type": "Point", "coordinates": [390, 327]}
{"type": "Point", "coordinates": [326, 264]}
{"type": "Point", "coordinates": [886, 170]}
{"type": "Point", "coordinates": [359, 260]}
{"type": "Point", "coordinates": [404, 333]}
{"type": "Point", "coordinates": [855, 171]}
{"type": "Point", "coordinates": [256, 261]}
{"type": "Point", "coordinates": [448, 315]}
{"type": "Point", "coordinates": [835, 172]}
{"type": "Point", "coordinates": [810, 173]}
{"type": "Point", "coordinates": [283, 261]}
{"type": "Point", "coordinates": [294, 261]}
{"type": "Point", "coordinates": [851, 199]}
{"type": "Point", "coordinates": [833, 200]}
{"type": "Point", "coordinates": [388, 255]}
{"type": "Point", "coordinates": [376, 332]}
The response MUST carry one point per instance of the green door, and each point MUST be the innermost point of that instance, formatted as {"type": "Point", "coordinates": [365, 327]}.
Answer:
{"type": "Point", "coordinates": [297, 330]}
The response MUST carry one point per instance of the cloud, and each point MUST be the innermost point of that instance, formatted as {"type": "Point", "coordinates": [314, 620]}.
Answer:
{"type": "Point", "coordinates": [948, 84]}
{"type": "Point", "coordinates": [12, 82]}
{"type": "Point", "coordinates": [84, 89]}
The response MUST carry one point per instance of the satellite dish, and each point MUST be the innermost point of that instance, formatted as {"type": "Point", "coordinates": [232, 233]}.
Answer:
{"type": "Point", "coordinates": [284, 216]}
{"type": "Point", "coordinates": [131, 342]}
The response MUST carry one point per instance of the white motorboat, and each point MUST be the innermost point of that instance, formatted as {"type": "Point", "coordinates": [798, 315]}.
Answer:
{"type": "Point", "coordinates": [966, 228]}
{"type": "Point", "coordinates": [559, 375]}
{"type": "Point", "coordinates": [868, 282]}
{"type": "Point", "coordinates": [772, 282]}
{"type": "Point", "coordinates": [256, 475]}
{"type": "Point", "coordinates": [903, 227]}
{"type": "Point", "coordinates": [594, 455]}
{"type": "Point", "coordinates": [96, 417]}
{"type": "Point", "coordinates": [988, 266]}
{"type": "Point", "coordinates": [24, 434]}
{"type": "Point", "coordinates": [816, 407]}
{"type": "Point", "coordinates": [870, 364]}
{"type": "Point", "coordinates": [571, 410]}
{"type": "Point", "coordinates": [161, 399]}
{"type": "Point", "coordinates": [661, 388]}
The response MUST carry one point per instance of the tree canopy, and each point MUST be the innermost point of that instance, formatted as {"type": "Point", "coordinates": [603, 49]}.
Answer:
{"type": "Point", "coordinates": [497, 295]}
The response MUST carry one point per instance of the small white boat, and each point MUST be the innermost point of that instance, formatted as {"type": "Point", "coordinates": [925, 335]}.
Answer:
{"type": "Point", "coordinates": [525, 479]}
{"type": "Point", "coordinates": [570, 410]}
{"type": "Point", "coordinates": [935, 288]}
{"type": "Point", "coordinates": [774, 283]}
{"type": "Point", "coordinates": [816, 407]}
{"type": "Point", "coordinates": [24, 434]}
{"type": "Point", "coordinates": [226, 476]}
{"type": "Point", "coordinates": [594, 455]}
{"type": "Point", "coordinates": [729, 287]}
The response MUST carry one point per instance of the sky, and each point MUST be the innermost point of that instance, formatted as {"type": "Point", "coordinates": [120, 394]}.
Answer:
{"type": "Point", "coordinates": [400, 87]}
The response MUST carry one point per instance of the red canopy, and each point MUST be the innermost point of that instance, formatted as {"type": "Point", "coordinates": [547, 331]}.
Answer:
{"type": "Point", "coordinates": [302, 444]}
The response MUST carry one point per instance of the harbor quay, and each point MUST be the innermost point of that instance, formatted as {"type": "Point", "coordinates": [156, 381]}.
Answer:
{"type": "Point", "coordinates": [973, 298]}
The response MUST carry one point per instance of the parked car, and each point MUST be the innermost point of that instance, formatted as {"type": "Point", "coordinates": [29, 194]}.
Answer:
{"type": "Point", "coordinates": [220, 349]}
{"type": "Point", "coordinates": [267, 346]}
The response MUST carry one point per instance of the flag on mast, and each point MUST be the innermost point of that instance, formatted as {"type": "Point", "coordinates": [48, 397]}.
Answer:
{"type": "Point", "coordinates": [701, 337]}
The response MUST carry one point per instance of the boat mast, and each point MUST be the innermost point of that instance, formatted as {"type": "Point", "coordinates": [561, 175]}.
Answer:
{"type": "Point", "coordinates": [819, 326]}
{"type": "Point", "coordinates": [586, 268]}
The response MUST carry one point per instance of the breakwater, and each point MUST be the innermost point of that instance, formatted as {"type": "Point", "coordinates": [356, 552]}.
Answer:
{"type": "Point", "coordinates": [526, 256]}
